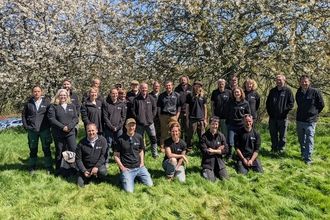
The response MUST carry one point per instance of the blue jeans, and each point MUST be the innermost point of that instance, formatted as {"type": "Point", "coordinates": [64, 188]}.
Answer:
{"type": "Point", "coordinates": [170, 170]}
{"type": "Point", "coordinates": [306, 132]}
{"type": "Point", "coordinates": [111, 138]}
{"type": "Point", "coordinates": [127, 178]}
{"type": "Point", "coordinates": [231, 131]}
{"type": "Point", "coordinates": [151, 131]}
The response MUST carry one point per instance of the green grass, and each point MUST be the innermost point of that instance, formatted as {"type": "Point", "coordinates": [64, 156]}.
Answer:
{"type": "Point", "coordinates": [287, 190]}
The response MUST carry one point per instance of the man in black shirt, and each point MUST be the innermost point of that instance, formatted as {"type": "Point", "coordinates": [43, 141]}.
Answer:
{"type": "Point", "coordinates": [144, 109]}
{"type": "Point", "coordinates": [169, 108]}
{"type": "Point", "coordinates": [184, 88]}
{"type": "Point", "coordinates": [280, 102]}
{"type": "Point", "coordinates": [90, 156]}
{"type": "Point", "coordinates": [129, 156]}
{"type": "Point", "coordinates": [247, 145]}
{"type": "Point", "coordinates": [219, 100]}
{"type": "Point", "coordinates": [310, 104]}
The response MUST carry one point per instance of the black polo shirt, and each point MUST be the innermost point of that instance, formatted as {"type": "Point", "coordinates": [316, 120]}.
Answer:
{"type": "Point", "coordinates": [169, 104]}
{"type": "Point", "coordinates": [129, 149]}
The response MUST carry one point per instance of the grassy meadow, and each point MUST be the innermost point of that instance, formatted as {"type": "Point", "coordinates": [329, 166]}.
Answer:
{"type": "Point", "coordinates": [288, 189]}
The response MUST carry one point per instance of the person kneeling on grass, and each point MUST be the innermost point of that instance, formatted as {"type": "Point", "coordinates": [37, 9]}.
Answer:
{"type": "Point", "coordinates": [175, 150]}
{"type": "Point", "coordinates": [247, 145]}
{"type": "Point", "coordinates": [90, 156]}
{"type": "Point", "coordinates": [213, 145]}
{"type": "Point", "coordinates": [129, 155]}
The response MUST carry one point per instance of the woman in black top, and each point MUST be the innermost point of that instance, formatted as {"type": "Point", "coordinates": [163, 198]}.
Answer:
{"type": "Point", "coordinates": [252, 96]}
{"type": "Point", "coordinates": [213, 145]}
{"type": "Point", "coordinates": [63, 118]}
{"type": "Point", "coordinates": [35, 121]}
{"type": "Point", "coordinates": [91, 110]}
{"type": "Point", "coordinates": [175, 150]}
{"type": "Point", "coordinates": [236, 108]}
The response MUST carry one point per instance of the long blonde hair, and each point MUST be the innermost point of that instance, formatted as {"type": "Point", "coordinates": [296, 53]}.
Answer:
{"type": "Point", "coordinates": [56, 100]}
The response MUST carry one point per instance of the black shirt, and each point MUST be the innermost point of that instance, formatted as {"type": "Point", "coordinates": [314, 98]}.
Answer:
{"type": "Point", "coordinates": [183, 95]}
{"type": "Point", "coordinates": [129, 149]}
{"type": "Point", "coordinates": [169, 104]}
{"type": "Point", "coordinates": [196, 107]}
{"type": "Point", "coordinates": [254, 101]}
{"type": "Point", "coordinates": [175, 148]}
{"type": "Point", "coordinates": [220, 100]}
{"type": "Point", "coordinates": [247, 142]}
{"type": "Point", "coordinates": [310, 104]}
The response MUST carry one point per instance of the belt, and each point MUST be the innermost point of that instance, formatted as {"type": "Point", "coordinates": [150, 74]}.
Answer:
{"type": "Point", "coordinates": [166, 113]}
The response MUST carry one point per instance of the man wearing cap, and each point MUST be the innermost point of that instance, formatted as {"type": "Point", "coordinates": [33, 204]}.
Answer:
{"type": "Point", "coordinates": [130, 96]}
{"type": "Point", "coordinates": [184, 88]}
{"type": "Point", "coordinates": [196, 113]}
{"type": "Point", "coordinates": [310, 104]}
{"type": "Point", "coordinates": [129, 155]}
{"type": "Point", "coordinates": [247, 145]}
{"type": "Point", "coordinates": [90, 156]}
{"type": "Point", "coordinates": [144, 110]}
{"type": "Point", "coordinates": [169, 108]}
{"type": "Point", "coordinates": [219, 100]}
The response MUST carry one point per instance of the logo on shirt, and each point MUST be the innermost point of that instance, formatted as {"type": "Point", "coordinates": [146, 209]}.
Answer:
{"type": "Point", "coordinates": [42, 106]}
{"type": "Point", "coordinates": [252, 97]}
{"type": "Point", "coordinates": [218, 143]}
{"type": "Point", "coordinates": [241, 107]}
{"type": "Point", "coordinates": [309, 97]}
{"type": "Point", "coordinates": [118, 107]}
{"type": "Point", "coordinates": [98, 147]}
{"type": "Point", "coordinates": [252, 138]}
{"type": "Point", "coordinates": [70, 110]}
{"type": "Point", "coordinates": [282, 94]}
{"type": "Point", "coordinates": [148, 102]}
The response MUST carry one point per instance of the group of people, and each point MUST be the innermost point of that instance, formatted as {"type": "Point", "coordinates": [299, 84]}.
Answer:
{"type": "Point", "coordinates": [117, 124]}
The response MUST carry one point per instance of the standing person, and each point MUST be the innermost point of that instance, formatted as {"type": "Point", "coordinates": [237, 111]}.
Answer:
{"type": "Point", "coordinates": [131, 96]}
{"type": "Point", "coordinates": [247, 144]}
{"type": "Point", "coordinates": [169, 108]}
{"type": "Point", "coordinates": [90, 156]}
{"type": "Point", "coordinates": [96, 83]}
{"type": "Point", "coordinates": [129, 156]}
{"type": "Point", "coordinates": [122, 95]}
{"type": "Point", "coordinates": [213, 145]}
{"type": "Point", "coordinates": [196, 113]}
{"type": "Point", "coordinates": [91, 110]}
{"type": "Point", "coordinates": [175, 150]}
{"type": "Point", "coordinates": [63, 118]}
{"type": "Point", "coordinates": [310, 104]}
{"type": "Point", "coordinates": [155, 93]}
{"type": "Point", "coordinates": [280, 102]}
{"type": "Point", "coordinates": [66, 84]}
{"type": "Point", "coordinates": [233, 82]}
{"type": "Point", "coordinates": [237, 107]}
{"type": "Point", "coordinates": [144, 109]}
{"type": "Point", "coordinates": [252, 96]}
{"type": "Point", "coordinates": [114, 115]}
{"type": "Point", "coordinates": [184, 88]}
{"type": "Point", "coordinates": [35, 122]}
{"type": "Point", "coordinates": [219, 100]}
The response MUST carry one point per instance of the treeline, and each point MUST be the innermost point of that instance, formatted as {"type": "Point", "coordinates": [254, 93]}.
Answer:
{"type": "Point", "coordinates": [43, 42]}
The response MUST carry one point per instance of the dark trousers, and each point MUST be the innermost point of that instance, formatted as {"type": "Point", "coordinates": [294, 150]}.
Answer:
{"type": "Point", "coordinates": [63, 144]}
{"type": "Point", "coordinates": [216, 172]}
{"type": "Point", "coordinates": [184, 129]}
{"type": "Point", "coordinates": [243, 169]}
{"type": "Point", "coordinates": [46, 139]}
{"type": "Point", "coordinates": [82, 180]}
{"type": "Point", "coordinates": [277, 130]}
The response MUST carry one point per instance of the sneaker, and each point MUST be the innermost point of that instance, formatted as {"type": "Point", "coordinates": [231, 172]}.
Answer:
{"type": "Point", "coordinates": [49, 171]}
{"type": "Point", "coordinates": [32, 171]}
{"type": "Point", "coordinates": [308, 163]}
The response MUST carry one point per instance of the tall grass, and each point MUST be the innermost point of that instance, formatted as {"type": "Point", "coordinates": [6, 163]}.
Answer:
{"type": "Point", "coordinates": [287, 190]}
